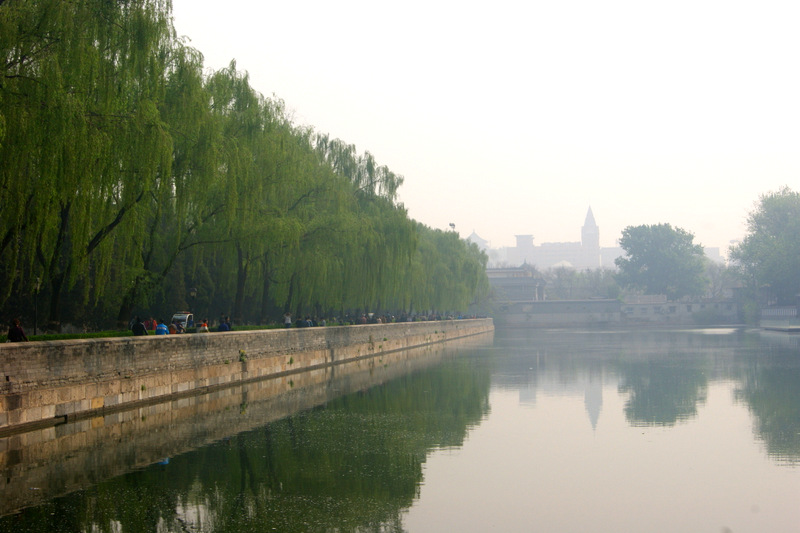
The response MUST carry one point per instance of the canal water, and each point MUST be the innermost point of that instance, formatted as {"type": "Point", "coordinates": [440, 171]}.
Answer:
{"type": "Point", "coordinates": [528, 430]}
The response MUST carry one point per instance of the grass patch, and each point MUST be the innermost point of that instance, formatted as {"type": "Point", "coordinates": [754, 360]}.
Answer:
{"type": "Point", "coordinates": [125, 333]}
{"type": "Point", "coordinates": [65, 336]}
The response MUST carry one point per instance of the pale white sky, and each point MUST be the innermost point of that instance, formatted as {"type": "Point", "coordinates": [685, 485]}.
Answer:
{"type": "Point", "coordinates": [514, 117]}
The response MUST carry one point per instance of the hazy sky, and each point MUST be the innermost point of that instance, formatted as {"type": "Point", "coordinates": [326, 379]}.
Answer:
{"type": "Point", "coordinates": [514, 117]}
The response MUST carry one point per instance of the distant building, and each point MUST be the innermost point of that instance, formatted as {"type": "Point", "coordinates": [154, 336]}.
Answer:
{"type": "Point", "coordinates": [714, 254]}
{"type": "Point", "coordinates": [483, 244]}
{"type": "Point", "coordinates": [586, 254]}
{"type": "Point", "coordinates": [515, 284]}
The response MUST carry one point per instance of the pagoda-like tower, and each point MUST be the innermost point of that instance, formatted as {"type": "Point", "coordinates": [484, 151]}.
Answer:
{"type": "Point", "coordinates": [590, 242]}
{"type": "Point", "coordinates": [590, 233]}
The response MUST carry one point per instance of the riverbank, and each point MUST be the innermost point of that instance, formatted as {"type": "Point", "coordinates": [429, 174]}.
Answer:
{"type": "Point", "coordinates": [782, 329]}
{"type": "Point", "coordinates": [46, 383]}
{"type": "Point", "coordinates": [62, 459]}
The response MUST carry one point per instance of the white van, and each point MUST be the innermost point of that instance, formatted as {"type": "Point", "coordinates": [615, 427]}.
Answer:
{"type": "Point", "coordinates": [185, 318]}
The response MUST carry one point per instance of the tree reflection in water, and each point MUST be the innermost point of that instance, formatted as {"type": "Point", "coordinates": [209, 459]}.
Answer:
{"type": "Point", "coordinates": [352, 464]}
{"type": "Point", "coordinates": [356, 463]}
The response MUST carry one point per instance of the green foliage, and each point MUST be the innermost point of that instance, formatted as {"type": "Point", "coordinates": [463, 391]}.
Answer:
{"type": "Point", "coordinates": [720, 278]}
{"type": "Point", "coordinates": [128, 176]}
{"type": "Point", "coordinates": [84, 142]}
{"type": "Point", "coordinates": [352, 464]}
{"type": "Point", "coordinates": [769, 390]}
{"type": "Point", "coordinates": [569, 284]}
{"type": "Point", "coordinates": [769, 256]}
{"type": "Point", "coordinates": [445, 273]}
{"type": "Point", "coordinates": [751, 311]}
{"type": "Point", "coordinates": [661, 259]}
{"type": "Point", "coordinates": [65, 336]}
{"type": "Point", "coordinates": [662, 393]}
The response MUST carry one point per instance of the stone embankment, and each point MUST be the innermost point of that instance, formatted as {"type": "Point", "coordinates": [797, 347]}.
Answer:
{"type": "Point", "coordinates": [59, 459]}
{"type": "Point", "coordinates": [45, 383]}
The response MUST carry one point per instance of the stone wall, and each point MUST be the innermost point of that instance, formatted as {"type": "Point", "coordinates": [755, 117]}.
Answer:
{"type": "Point", "coordinates": [683, 313]}
{"type": "Point", "coordinates": [559, 313]}
{"type": "Point", "coordinates": [46, 382]}
{"type": "Point", "coordinates": [67, 457]}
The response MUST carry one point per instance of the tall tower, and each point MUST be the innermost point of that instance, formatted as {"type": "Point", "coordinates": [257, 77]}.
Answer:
{"type": "Point", "coordinates": [590, 233]}
{"type": "Point", "coordinates": [590, 241]}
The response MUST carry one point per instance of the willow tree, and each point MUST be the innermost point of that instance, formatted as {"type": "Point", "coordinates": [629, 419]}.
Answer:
{"type": "Point", "coordinates": [380, 238]}
{"type": "Point", "coordinates": [181, 207]}
{"type": "Point", "coordinates": [292, 193]}
{"type": "Point", "coordinates": [362, 171]}
{"type": "Point", "coordinates": [127, 173]}
{"type": "Point", "coordinates": [379, 252]}
{"type": "Point", "coordinates": [82, 82]}
{"type": "Point", "coordinates": [447, 273]}
{"type": "Point", "coordinates": [255, 155]}
{"type": "Point", "coordinates": [312, 202]}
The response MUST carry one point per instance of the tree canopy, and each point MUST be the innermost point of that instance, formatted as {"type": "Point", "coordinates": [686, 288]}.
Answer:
{"type": "Point", "coordinates": [660, 259]}
{"type": "Point", "coordinates": [769, 255]}
{"type": "Point", "coordinates": [133, 180]}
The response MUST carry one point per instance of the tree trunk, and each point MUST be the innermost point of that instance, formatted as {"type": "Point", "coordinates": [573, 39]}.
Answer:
{"type": "Point", "coordinates": [56, 272]}
{"type": "Point", "coordinates": [241, 280]}
{"type": "Point", "coordinates": [54, 315]}
{"type": "Point", "coordinates": [287, 308]}
{"type": "Point", "coordinates": [264, 318]}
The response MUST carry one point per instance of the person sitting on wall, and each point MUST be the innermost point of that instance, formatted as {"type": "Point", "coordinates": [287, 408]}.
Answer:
{"type": "Point", "coordinates": [161, 328]}
{"type": "Point", "coordinates": [203, 327]}
{"type": "Point", "coordinates": [224, 325]}
{"type": "Point", "coordinates": [173, 329]}
{"type": "Point", "coordinates": [15, 332]}
{"type": "Point", "coordinates": [138, 327]}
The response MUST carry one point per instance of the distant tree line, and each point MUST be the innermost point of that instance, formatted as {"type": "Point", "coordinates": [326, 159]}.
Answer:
{"type": "Point", "coordinates": [764, 265]}
{"type": "Point", "coordinates": [133, 180]}
{"type": "Point", "coordinates": [768, 258]}
{"type": "Point", "coordinates": [662, 259]}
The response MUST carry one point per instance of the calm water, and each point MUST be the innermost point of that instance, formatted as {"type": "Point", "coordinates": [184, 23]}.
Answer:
{"type": "Point", "coordinates": [553, 431]}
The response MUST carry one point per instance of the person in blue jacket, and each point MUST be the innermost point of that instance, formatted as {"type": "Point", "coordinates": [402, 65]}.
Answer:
{"type": "Point", "coordinates": [161, 328]}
